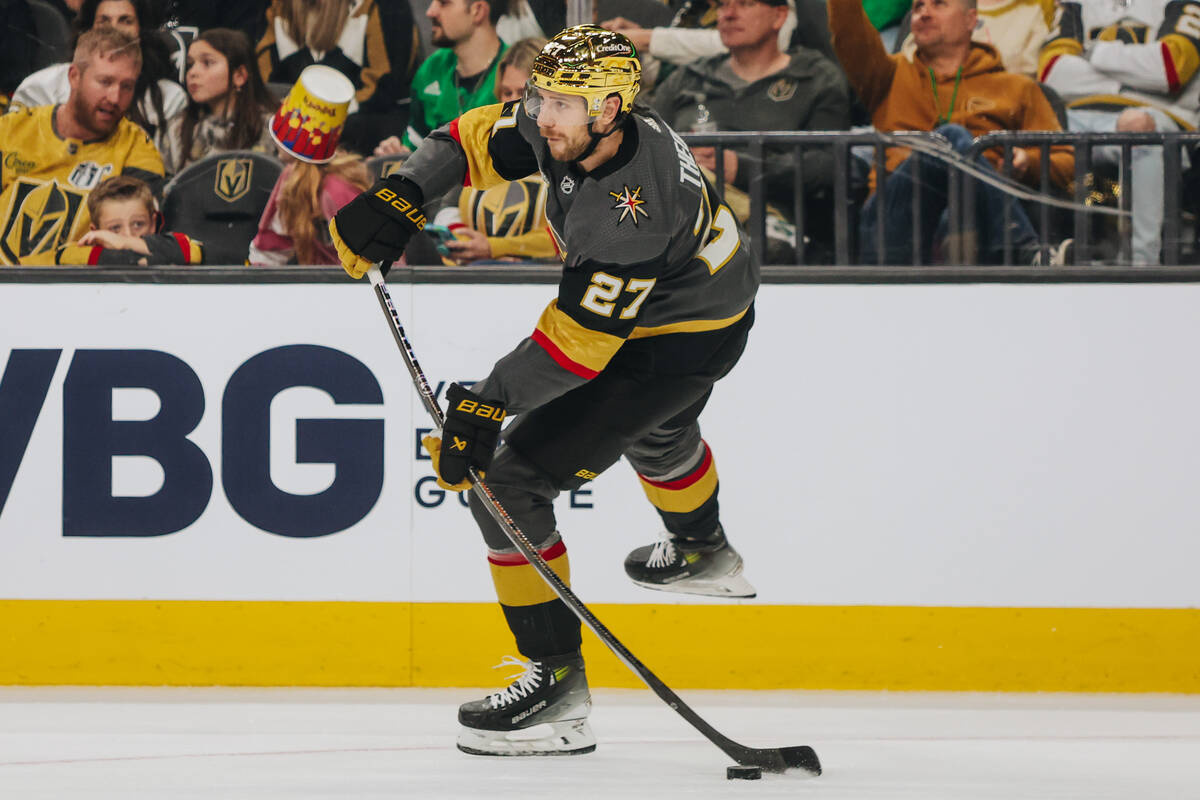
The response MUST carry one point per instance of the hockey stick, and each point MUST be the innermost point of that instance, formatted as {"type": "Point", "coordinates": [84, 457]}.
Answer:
{"type": "Point", "coordinates": [772, 759]}
{"type": "Point", "coordinates": [951, 157]}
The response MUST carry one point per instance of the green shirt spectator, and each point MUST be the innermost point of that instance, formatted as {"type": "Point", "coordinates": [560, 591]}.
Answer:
{"type": "Point", "coordinates": [460, 74]}
{"type": "Point", "coordinates": [440, 94]}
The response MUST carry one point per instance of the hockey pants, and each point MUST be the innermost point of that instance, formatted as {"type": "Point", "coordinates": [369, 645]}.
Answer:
{"type": "Point", "coordinates": [650, 417]}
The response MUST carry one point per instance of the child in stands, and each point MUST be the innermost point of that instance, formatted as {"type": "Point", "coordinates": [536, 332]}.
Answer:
{"type": "Point", "coordinates": [124, 232]}
{"type": "Point", "coordinates": [228, 104]}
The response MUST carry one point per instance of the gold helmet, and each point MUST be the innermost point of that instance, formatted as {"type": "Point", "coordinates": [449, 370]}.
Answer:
{"type": "Point", "coordinates": [589, 62]}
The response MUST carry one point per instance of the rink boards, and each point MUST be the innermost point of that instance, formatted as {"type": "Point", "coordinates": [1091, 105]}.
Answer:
{"type": "Point", "coordinates": [934, 487]}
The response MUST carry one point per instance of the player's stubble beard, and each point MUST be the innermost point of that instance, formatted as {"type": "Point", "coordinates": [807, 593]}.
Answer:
{"type": "Point", "coordinates": [568, 145]}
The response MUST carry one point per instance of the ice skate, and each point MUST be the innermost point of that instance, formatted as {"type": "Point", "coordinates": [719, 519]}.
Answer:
{"type": "Point", "coordinates": [710, 568]}
{"type": "Point", "coordinates": [543, 712]}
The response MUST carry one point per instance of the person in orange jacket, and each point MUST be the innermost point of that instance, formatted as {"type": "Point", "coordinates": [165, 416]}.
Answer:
{"type": "Point", "coordinates": [957, 88]}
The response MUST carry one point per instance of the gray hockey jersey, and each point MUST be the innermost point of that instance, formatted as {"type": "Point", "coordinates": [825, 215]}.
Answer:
{"type": "Point", "coordinates": [652, 258]}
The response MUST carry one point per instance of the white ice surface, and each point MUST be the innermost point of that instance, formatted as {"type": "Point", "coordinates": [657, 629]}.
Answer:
{"type": "Point", "coordinates": [264, 744]}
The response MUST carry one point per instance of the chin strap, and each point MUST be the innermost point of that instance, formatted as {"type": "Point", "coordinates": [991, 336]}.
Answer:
{"type": "Point", "coordinates": [618, 124]}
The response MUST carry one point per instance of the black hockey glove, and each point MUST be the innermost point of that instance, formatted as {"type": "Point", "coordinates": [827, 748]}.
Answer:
{"type": "Point", "coordinates": [469, 437]}
{"type": "Point", "coordinates": [376, 225]}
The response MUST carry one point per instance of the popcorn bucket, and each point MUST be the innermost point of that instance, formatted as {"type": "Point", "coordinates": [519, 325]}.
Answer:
{"type": "Point", "coordinates": [309, 122]}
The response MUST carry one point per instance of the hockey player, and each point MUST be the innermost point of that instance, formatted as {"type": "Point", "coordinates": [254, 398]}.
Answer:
{"type": "Point", "coordinates": [654, 306]}
{"type": "Point", "coordinates": [1129, 66]}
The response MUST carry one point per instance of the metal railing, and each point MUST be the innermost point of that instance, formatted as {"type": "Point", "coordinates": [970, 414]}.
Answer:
{"type": "Point", "coordinates": [848, 195]}
{"type": "Point", "coordinates": [1173, 146]}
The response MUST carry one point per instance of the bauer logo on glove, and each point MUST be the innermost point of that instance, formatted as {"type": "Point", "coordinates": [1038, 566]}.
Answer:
{"type": "Point", "coordinates": [410, 212]}
{"type": "Point", "coordinates": [468, 440]}
{"type": "Point", "coordinates": [376, 225]}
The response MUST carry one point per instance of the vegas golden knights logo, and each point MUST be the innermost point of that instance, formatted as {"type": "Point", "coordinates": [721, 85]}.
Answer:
{"type": "Point", "coordinates": [233, 178]}
{"type": "Point", "coordinates": [509, 209]}
{"type": "Point", "coordinates": [40, 216]}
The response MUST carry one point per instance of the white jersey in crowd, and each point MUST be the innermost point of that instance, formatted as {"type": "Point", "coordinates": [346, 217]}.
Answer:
{"type": "Point", "coordinates": [1135, 52]}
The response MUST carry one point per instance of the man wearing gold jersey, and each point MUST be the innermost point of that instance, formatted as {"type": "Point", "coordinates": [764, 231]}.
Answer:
{"type": "Point", "coordinates": [51, 157]}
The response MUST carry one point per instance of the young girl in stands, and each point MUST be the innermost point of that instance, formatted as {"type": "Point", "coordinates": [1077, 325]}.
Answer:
{"type": "Point", "coordinates": [320, 178]}
{"type": "Point", "coordinates": [228, 105]}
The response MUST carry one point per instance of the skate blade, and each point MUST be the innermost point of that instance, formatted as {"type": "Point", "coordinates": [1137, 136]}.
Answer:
{"type": "Point", "coordinates": [570, 737]}
{"type": "Point", "coordinates": [731, 586]}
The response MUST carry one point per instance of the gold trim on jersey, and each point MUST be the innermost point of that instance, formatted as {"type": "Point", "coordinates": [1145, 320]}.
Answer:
{"type": "Point", "coordinates": [1185, 60]}
{"type": "Point", "coordinates": [691, 326]}
{"type": "Point", "coordinates": [472, 131]}
{"type": "Point", "coordinates": [583, 346]}
{"type": "Point", "coordinates": [1053, 50]}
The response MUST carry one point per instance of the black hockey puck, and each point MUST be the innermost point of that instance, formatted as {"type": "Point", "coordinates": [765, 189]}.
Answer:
{"type": "Point", "coordinates": [740, 773]}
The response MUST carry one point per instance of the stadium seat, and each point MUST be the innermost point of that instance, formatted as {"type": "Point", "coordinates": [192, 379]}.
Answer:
{"type": "Point", "coordinates": [53, 32]}
{"type": "Point", "coordinates": [219, 200]}
{"type": "Point", "coordinates": [278, 90]}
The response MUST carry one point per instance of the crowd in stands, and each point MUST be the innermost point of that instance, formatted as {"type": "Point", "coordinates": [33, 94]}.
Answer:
{"type": "Point", "coordinates": [264, 117]}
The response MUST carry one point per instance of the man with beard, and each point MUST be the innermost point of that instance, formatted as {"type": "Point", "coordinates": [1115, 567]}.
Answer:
{"type": "Point", "coordinates": [654, 305]}
{"type": "Point", "coordinates": [52, 156]}
{"type": "Point", "coordinates": [461, 74]}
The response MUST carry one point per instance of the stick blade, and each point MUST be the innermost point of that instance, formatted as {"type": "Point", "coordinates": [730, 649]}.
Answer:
{"type": "Point", "coordinates": [782, 759]}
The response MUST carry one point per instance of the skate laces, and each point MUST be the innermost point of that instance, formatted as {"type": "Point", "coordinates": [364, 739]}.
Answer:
{"type": "Point", "coordinates": [523, 683]}
{"type": "Point", "coordinates": [663, 553]}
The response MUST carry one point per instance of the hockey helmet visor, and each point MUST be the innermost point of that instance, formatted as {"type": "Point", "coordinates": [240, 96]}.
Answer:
{"type": "Point", "coordinates": [555, 108]}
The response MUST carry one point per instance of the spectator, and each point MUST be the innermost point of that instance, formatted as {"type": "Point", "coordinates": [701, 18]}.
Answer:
{"type": "Point", "coordinates": [508, 220]}
{"type": "Point", "coordinates": [1129, 69]}
{"type": "Point", "coordinates": [1016, 28]}
{"type": "Point", "coordinates": [228, 105]}
{"type": "Point", "coordinates": [959, 89]}
{"type": "Point", "coordinates": [124, 231]}
{"type": "Point", "coordinates": [247, 16]}
{"type": "Point", "coordinates": [319, 180]}
{"type": "Point", "coordinates": [461, 73]}
{"type": "Point", "coordinates": [757, 87]}
{"type": "Point", "coordinates": [343, 34]}
{"type": "Point", "coordinates": [158, 98]}
{"type": "Point", "coordinates": [388, 108]}
{"type": "Point", "coordinates": [807, 25]}
{"type": "Point", "coordinates": [54, 155]}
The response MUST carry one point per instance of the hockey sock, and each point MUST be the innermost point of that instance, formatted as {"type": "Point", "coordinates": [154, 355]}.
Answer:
{"type": "Point", "coordinates": [688, 503]}
{"type": "Point", "coordinates": [541, 623]}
